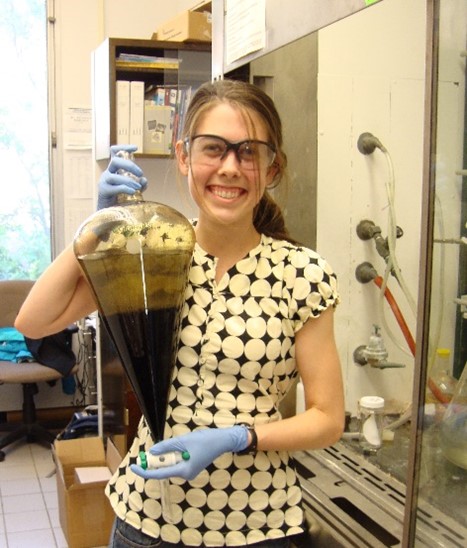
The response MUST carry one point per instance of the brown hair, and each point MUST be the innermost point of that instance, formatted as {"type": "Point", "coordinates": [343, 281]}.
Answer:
{"type": "Point", "coordinates": [268, 218]}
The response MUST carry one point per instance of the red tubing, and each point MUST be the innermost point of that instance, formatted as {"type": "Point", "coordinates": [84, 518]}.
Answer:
{"type": "Point", "coordinates": [397, 313]}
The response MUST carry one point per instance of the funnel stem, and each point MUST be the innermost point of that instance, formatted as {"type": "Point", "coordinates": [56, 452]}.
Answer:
{"type": "Point", "coordinates": [166, 501]}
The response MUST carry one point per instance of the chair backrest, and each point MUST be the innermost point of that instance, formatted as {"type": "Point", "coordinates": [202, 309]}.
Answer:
{"type": "Point", "coordinates": [12, 295]}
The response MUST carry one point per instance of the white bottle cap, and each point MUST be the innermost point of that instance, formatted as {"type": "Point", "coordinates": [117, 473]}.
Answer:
{"type": "Point", "coordinates": [372, 402]}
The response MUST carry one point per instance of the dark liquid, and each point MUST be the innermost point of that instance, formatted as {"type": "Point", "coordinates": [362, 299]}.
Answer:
{"type": "Point", "coordinates": [140, 299]}
{"type": "Point", "coordinates": [145, 344]}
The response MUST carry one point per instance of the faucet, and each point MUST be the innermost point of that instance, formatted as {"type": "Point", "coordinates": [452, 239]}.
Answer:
{"type": "Point", "coordinates": [374, 353]}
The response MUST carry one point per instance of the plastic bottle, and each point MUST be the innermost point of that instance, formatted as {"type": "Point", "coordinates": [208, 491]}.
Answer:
{"type": "Point", "coordinates": [300, 398]}
{"type": "Point", "coordinates": [371, 412]}
{"type": "Point", "coordinates": [440, 381]}
{"type": "Point", "coordinates": [453, 430]}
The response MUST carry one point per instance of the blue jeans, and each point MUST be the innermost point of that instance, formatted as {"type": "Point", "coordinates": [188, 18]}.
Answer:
{"type": "Point", "coordinates": [126, 536]}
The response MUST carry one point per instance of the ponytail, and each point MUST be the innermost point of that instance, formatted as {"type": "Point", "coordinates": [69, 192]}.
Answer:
{"type": "Point", "coordinates": [268, 219]}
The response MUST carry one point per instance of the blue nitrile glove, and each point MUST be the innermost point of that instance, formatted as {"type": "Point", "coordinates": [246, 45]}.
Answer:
{"type": "Point", "coordinates": [112, 182]}
{"type": "Point", "coordinates": [204, 446]}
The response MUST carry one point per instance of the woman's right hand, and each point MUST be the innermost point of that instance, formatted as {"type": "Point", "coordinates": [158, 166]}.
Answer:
{"type": "Point", "coordinates": [121, 176]}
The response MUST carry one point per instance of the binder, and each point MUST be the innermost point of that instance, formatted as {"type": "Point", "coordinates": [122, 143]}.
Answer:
{"type": "Point", "coordinates": [122, 96]}
{"type": "Point", "coordinates": [137, 114]}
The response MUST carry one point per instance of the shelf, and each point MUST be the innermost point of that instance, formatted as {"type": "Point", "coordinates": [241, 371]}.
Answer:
{"type": "Point", "coordinates": [146, 67]}
{"type": "Point", "coordinates": [187, 65]}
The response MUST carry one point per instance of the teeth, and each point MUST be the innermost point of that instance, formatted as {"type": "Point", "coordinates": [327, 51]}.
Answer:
{"type": "Point", "coordinates": [226, 193]}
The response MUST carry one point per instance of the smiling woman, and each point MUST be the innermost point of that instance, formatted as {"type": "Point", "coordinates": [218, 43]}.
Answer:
{"type": "Point", "coordinates": [258, 312]}
{"type": "Point", "coordinates": [25, 211]}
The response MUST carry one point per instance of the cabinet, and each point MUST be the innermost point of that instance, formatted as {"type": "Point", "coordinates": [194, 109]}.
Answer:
{"type": "Point", "coordinates": [192, 67]}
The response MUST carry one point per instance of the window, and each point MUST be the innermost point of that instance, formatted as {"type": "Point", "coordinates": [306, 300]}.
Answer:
{"type": "Point", "coordinates": [25, 242]}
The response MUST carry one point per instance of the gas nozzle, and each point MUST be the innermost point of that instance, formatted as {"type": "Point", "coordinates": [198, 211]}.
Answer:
{"type": "Point", "coordinates": [367, 143]}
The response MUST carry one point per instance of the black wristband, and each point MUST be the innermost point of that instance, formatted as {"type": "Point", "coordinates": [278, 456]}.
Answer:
{"type": "Point", "coordinates": [252, 447]}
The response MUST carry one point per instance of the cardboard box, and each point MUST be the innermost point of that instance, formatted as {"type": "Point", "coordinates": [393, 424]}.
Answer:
{"type": "Point", "coordinates": [86, 516]}
{"type": "Point", "coordinates": [189, 26]}
{"type": "Point", "coordinates": [202, 6]}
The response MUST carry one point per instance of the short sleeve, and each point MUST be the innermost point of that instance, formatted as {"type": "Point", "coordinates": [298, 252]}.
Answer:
{"type": "Point", "coordinates": [314, 288]}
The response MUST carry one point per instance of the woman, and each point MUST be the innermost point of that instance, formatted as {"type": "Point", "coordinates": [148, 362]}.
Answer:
{"type": "Point", "coordinates": [259, 312]}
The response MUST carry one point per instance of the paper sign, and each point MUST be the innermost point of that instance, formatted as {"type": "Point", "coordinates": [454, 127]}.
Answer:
{"type": "Point", "coordinates": [78, 128]}
{"type": "Point", "coordinates": [245, 28]}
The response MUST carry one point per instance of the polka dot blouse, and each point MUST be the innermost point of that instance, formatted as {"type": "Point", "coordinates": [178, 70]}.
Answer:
{"type": "Point", "coordinates": [235, 364]}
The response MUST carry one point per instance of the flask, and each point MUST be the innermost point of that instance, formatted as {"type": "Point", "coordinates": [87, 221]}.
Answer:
{"type": "Point", "coordinates": [136, 257]}
{"type": "Point", "coordinates": [371, 413]}
{"type": "Point", "coordinates": [440, 381]}
{"type": "Point", "coordinates": [453, 429]}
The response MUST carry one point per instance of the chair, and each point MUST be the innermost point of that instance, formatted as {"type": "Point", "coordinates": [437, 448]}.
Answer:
{"type": "Point", "coordinates": [28, 374]}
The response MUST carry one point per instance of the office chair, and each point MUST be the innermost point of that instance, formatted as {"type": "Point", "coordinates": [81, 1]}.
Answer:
{"type": "Point", "coordinates": [28, 374]}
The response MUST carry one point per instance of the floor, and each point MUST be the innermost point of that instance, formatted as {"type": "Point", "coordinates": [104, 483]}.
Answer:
{"type": "Point", "coordinates": [28, 499]}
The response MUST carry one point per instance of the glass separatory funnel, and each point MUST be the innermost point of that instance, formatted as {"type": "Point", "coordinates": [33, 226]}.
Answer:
{"type": "Point", "coordinates": [136, 257]}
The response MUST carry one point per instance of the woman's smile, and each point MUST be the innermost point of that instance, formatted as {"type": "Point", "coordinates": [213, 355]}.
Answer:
{"type": "Point", "coordinates": [227, 193]}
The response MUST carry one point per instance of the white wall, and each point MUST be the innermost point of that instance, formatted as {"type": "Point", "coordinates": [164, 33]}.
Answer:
{"type": "Point", "coordinates": [78, 29]}
{"type": "Point", "coordinates": [371, 78]}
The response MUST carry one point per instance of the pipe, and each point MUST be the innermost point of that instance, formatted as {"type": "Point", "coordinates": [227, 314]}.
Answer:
{"type": "Point", "coordinates": [397, 313]}
{"type": "Point", "coordinates": [364, 273]}
{"type": "Point", "coordinates": [366, 144]}
{"type": "Point", "coordinates": [392, 262]}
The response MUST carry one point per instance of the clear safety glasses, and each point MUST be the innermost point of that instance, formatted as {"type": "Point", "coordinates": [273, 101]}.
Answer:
{"type": "Point", "coordinates": [211, 150]}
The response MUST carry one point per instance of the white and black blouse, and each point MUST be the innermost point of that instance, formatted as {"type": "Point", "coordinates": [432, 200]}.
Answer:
{"type": "Point", "coordinates": [235, 363]}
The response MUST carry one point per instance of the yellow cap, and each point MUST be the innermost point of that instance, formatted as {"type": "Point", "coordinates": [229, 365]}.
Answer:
{"type": "Point", "coordinates": [443, 352]}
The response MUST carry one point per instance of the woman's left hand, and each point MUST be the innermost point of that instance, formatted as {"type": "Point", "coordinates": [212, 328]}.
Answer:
{"type": "Point", "coordinates": [203, 446]}
{"type": "Point", "coordinates": [121, 176]}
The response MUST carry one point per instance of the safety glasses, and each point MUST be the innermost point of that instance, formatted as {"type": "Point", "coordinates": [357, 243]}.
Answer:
{"type": "Point", "coordinates": [210, 150]}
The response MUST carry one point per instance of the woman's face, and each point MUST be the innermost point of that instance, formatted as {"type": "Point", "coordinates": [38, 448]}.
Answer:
{"type": "Point", "coordinates": [225, 190]}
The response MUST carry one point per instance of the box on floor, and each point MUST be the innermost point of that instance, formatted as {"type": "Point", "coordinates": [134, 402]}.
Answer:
{"type": "Point", "coordinates": [83, 468]}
